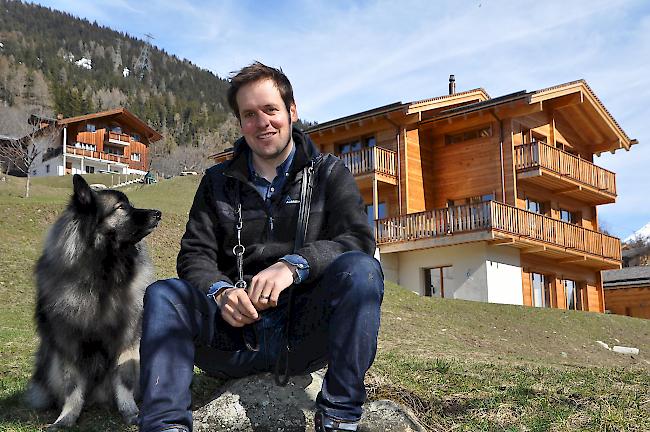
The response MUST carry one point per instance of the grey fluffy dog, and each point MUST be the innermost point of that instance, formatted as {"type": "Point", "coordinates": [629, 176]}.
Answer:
{"type": "Point", "coordinates": [91, 280]}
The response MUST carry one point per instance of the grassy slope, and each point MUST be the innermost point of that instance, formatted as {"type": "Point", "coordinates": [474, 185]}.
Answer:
{"type": "Point", "coordinates": [461, 365]}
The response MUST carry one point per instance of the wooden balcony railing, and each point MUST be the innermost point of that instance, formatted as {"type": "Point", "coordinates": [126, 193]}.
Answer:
{"type": "Point", "coordinates": [492, 215]}
{"type": "Point", "coordinates": [119, 137]}
{"type": "Point", "coordinates": [372, 159]}
{"type": "Point", "coordinates": [97, 155]}
{"type": "Point", "coordinates": [540, 154]}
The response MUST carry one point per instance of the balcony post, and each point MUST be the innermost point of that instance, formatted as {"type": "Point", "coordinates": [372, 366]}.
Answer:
{"type": "Point", "coordinates": [375, 199]}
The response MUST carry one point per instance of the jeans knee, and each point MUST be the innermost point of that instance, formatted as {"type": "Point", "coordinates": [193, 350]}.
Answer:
{"type": "Point", "coordinates": [163, 292]}
{"type": "Point", "coordinates": [358, 274]}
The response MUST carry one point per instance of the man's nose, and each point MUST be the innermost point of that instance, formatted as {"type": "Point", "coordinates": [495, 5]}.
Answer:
{"type": "Point", "coordinates": [262, 120]}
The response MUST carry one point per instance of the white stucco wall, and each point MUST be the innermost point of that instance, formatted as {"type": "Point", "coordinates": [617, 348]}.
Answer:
{"type": "Point", "coordinates": [478, 272]}
{"type": "Point", "coordinates": [503, 266]}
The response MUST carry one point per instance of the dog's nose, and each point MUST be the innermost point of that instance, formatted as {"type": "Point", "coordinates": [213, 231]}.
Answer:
{"type": "Point", "coordinates": [157, 214]}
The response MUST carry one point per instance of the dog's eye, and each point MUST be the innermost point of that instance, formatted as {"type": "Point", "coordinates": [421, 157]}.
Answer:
{"type": "Point", "coordinates": [120, 206]}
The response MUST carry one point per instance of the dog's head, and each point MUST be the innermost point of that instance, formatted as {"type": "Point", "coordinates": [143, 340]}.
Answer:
{"type": "Point", "coordinates": [109, 217]}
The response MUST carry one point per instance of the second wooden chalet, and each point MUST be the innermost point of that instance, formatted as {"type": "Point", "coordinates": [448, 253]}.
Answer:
{"type": "Point", "coordinates": [113, 141]}
{"type": "Point", "coordinates": [488, 199]}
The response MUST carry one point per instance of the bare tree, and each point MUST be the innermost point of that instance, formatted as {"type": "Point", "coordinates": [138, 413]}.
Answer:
{"type": "Point", "coordinates": [21, 153]}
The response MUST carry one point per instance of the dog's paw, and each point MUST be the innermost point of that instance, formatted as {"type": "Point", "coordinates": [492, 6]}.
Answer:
{"type": "Point", "coordinates": [130, 418]}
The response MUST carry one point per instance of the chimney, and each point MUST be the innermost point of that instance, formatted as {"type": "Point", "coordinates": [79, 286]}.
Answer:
{"type": "Point", "coordinates": [452, 84]}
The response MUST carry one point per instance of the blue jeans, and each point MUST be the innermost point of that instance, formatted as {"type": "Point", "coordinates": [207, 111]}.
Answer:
{"type": "Point", "coordinates": [335, 323]}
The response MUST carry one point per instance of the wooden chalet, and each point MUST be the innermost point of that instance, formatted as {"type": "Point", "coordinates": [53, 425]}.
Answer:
{"type": "Point", "coordinates": [109, 141]}
{"type": "Point", "coordinates": [488, 199]}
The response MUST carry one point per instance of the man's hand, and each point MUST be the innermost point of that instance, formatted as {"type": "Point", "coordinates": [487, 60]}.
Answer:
{"type": "Point", "coordinates": [236, 308]}
{"type": "Point", "coordinates": [267, 285]}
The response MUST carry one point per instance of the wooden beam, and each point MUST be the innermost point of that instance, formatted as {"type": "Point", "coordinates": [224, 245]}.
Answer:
{"type": "Point", "coordinates": [501, 242]}
{"type": "Point", "coordinates": [575, 188]}
{"type": "Point", "coordinates": [534, 250]}
{"type": "Point", "coordinates": [580, 258]}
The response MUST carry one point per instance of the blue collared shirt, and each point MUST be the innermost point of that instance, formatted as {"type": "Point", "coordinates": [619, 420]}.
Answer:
{"type": "Point", "coordinates": [267, 190]}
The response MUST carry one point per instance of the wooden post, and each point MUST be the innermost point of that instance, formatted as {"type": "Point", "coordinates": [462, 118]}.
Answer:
{"type": "Point", "coordinates": [375, 201]}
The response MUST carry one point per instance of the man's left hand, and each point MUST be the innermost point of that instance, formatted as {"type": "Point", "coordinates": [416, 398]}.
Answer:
{"type": "Point", "coordinates": [266, 286]}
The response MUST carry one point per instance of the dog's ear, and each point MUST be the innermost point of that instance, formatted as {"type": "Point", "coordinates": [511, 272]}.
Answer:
{"type": "Point", "coordinates": [83, 197]}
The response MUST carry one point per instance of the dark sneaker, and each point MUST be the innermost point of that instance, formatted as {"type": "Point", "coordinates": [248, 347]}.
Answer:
{"type": "Point", "coordinates": [322, 423]}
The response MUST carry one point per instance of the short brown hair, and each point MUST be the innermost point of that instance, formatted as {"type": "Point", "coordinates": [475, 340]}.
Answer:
{"type": "Point", "coordinates": [256, 72]}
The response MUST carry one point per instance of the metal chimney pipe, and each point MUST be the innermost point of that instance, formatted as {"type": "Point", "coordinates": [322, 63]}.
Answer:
{"type": "Point", "coordinates": [452, 84]}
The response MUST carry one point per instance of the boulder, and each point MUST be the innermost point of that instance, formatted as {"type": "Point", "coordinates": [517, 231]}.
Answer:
{"type": "Point", "coordinates": [256, 403]}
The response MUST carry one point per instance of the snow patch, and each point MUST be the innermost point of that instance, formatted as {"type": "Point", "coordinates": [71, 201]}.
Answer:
{"type": "Point", "coordinates": [69, 57]}
{"type": "Point", "coordinates": [642, 233]}
{"type": "Point", "coordinates": [126, 72]}
{"type": "Point", "coordinates": [84, 63]}
{"type": "Point", "coordinates": [2, 45]}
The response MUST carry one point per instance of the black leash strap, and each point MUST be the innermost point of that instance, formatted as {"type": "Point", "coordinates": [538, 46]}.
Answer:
{"type": "Point", "coordinates": [282, 364]}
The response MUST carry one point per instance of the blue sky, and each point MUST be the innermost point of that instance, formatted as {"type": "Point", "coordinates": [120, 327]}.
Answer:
{"type": "Point", "coordinates": [346, 57]}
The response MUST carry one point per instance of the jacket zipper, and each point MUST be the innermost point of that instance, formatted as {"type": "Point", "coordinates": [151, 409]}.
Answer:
{"type": "Point", "coordinates": [270, 227]}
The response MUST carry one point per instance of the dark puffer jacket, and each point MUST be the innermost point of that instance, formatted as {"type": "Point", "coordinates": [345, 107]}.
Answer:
{"type": "Point", "coordinates": [337, 220]}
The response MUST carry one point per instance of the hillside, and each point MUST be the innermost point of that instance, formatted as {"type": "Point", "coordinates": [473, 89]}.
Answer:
{"type": "Point", "coordinates": [54, 63]}
{"type": "Point", "coordinates": [461, 365]}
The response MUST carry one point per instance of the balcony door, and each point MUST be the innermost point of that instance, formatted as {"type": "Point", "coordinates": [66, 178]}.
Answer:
{"type": "Point", "coordinates": [541, 290]}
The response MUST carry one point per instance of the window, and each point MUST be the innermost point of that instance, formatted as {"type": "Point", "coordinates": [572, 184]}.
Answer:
{"type": "Point", "coordinates": [435, 279]}
{"type": "Point", "coordinates": [356, 145]}
{"type": "Point", "coordinates": [135, 137]}
{"type": "Point", "coordinates": [135, 157]}
{"type": "Point", "coordinates": [482, 132]}
{"type": "Point", "coordinates": [573, 292]}
{"type": "Point", "coordinates": [534, 206]}
{"type": "Point", "coordinates": [116, 129]}
{"type": "Point", "coordinates": [541, 290]}
{"type": "Point", "coordinates": [90, 169]}
{"type": "Point", "coordinates": [381, 212]}
{"type": "Point", "coordinates": [90, 127]}
{"type": "Point", "coordinates": [569, 216]}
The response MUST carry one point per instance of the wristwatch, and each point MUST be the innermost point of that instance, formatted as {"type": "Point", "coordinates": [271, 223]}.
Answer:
{"type": "Point", "coordinates": [296, 276]}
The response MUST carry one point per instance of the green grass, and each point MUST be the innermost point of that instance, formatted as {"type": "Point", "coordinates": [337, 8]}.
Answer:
{"type": "Point", "coordinates": [461, 365]}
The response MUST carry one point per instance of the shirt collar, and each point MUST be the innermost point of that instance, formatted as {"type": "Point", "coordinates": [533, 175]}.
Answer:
{"type": "Point", "coordinates": [280, 170]}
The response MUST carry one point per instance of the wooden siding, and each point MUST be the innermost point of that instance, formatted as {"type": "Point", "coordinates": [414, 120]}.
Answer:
{"type": "Point", "coordinates": [415, 201]}
{"type": "Point", "coordinates": [630, 301]}
{"type": "Point", "coordinates": [460, 170]}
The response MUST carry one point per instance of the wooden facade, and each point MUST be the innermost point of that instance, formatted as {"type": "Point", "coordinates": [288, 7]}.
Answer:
{"type": "Point", "coordinates": [111, 137]}
{"type": "Point", "coordinates": [518, 170]}
{"type": "Point", "coordinates": [515, 171]}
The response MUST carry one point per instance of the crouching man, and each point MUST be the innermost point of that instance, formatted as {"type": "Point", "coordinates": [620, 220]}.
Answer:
{"type": "Point", "coordinates": [275, 269]}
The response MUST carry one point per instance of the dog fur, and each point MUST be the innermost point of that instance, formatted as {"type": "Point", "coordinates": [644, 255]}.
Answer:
{"type": "Point", "coordinates": [90, 282]}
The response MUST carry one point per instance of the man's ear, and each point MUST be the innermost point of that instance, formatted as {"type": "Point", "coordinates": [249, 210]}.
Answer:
{"type": "Point", "coordinates": [293, 111]}
{"type": "Point", "coordinates": [83, 196]}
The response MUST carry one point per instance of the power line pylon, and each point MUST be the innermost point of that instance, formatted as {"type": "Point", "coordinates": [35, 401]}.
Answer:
{"type": "Point", "coordinates": [143, 63]}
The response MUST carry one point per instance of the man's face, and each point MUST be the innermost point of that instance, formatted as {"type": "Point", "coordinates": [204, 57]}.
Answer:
{"type": "Point", "coordinates": [265, 122]}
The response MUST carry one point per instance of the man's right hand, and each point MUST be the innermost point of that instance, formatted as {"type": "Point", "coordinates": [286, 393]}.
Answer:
{"type": "Point", "coordinates": [236, 308]}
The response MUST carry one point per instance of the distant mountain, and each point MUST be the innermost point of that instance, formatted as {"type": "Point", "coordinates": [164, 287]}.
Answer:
{"type": "Point", "coordinates": [642, 233]}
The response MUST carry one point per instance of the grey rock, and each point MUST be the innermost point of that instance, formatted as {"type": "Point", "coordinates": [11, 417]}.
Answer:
{"type": "Point", "coordinates": [255, 403]}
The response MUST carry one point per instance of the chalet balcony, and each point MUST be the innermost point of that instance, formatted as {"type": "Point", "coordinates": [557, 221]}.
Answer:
{"type": "Point", "coordinates": [501, 224]}
{"type": "Point", "coordinates": [373, 160]}
{"type": "Point", "coordinates": [118, 138]}
{"type": "Point", "coordinates": [74, 151]}
{"type": "Point", "coordinates": [563, 173]}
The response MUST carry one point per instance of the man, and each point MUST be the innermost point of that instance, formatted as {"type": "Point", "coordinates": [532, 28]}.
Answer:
{"type": "Point", "coordinates": [234, 317]}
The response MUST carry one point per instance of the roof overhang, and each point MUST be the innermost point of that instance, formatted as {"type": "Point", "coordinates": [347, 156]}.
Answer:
{"type": "Point", "coordinates": [585, 106]}
{"type": "Point", "coordinates": [121, 115]}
